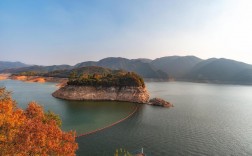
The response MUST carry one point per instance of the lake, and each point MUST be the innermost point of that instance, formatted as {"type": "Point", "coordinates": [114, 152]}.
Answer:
{"type": "Point", "coordinates": [82, 116]}
{"type": "Point", "coordinates": [208, 119]}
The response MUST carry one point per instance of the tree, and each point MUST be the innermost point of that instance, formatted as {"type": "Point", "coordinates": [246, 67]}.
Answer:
{"type": "Point", "coordinates": [31, 131]}
{"type": "Point", "coordinates": [73, 75]}
{"type": "Point", "coordinates": [118, 79]}
{"type": "Point", "coordinates": [11, 119]}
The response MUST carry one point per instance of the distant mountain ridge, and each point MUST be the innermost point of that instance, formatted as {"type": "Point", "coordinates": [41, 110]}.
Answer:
{"type": "Point", "coordinates": [176, 66]}
{"type": "Point", "coordinates": [89, 70]}
{"type": "Point", "coordinates": [183, 68]}
{"type": "Point", "coordinates": [36, 68]}
{"type": "Point", "coordinates": [140, 66]}
{"type": "Point", "coordinates": [9, 65]}
{"type": "Point", "coordinates": [221, 70]}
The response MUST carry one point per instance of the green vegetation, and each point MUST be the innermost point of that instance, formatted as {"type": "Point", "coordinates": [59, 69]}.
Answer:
{"type": "Point", "coordinates": [122, 152]}
{"type": "Point", "coordinates": [143, 67]}
{"type": "Point", "coordinates": [106, 80]}
{"type": "Point", "coordinates": [27, 73]}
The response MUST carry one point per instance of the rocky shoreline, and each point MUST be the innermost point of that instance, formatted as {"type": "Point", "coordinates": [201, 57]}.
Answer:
{"type": "Point", "coordinates": [129, 94]}
{"type": "Point", "coordinates": [160, 102]}
{"type": "Point", "coordinates": [71, 92]}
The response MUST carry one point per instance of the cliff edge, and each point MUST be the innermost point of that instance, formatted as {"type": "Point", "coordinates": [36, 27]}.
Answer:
{"type": "Point", "coordinates": [113, 93]}
{"type": "Point", "coordinates": [119, 86]}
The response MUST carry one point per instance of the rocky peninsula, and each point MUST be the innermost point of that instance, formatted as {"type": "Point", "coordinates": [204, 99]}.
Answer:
{"type": "Point", "coordinates": [118, 87]}
{"type": "Point", "coordinates": [130, 94]}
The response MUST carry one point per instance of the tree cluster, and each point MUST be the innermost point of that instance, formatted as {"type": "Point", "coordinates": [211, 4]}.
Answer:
{"type": "Point", "coordinates": [107, 80]}
{"type": "Point", "coordinates": [27, 73]}
{"type": "Point", "coordinates": [32, 131]}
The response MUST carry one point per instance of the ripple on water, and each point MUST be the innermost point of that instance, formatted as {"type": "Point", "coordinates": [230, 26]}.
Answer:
{"type": "Point", "coordinates": [206, 120]}
{"type": "Point", "coordinates": [81, 116]}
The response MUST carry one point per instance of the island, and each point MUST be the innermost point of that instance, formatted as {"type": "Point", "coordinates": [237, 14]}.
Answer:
{"type": "Point", "coordinates": [160, 102]}
{"type": "Point", "coordinates": [93, 83]}
{"type": "Point", "coordinates": [121, 86]}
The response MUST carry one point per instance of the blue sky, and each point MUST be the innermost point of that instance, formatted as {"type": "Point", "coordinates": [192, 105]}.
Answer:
{"type": "Point", "coordinates": [67, 32]}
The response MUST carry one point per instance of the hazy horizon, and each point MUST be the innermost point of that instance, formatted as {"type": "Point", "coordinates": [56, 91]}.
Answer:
{"type": "Point", "coordinates": [118, 57]}
{"type": "Point", "coordinates": [63, 32]}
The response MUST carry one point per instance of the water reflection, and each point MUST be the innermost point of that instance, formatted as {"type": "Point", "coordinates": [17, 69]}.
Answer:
{"type": "Point", "coordinates": [82, 116]}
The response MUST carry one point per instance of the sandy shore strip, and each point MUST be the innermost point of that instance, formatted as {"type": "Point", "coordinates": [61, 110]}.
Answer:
{"type": "Point", "coordinates": [4, 76]}
{"type": "Point", "coordinates": [39, 79]}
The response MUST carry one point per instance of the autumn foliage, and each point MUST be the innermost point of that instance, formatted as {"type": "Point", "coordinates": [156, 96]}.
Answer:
{"type": "Point", "coordinates": [107, 80]}
{"type": "Point", "coordinates": [31, 131]}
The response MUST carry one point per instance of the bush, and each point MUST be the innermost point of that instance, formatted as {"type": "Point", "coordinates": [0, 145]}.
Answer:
{"type": "Point", "coordinates": [31, 131]}
{"type": "Point", "coordinates": [109, 80]}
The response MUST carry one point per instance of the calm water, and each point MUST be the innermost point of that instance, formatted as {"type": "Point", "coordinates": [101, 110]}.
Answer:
{"type": "Point", "coordinates": [207, 119]}
{"type": "Point", "coordinates": [82, 116]}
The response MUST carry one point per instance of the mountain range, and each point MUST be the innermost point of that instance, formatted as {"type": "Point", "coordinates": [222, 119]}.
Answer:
{"type": "Point", "coordinates": [8, 65]}
{"type": "Point", "coordinates": [183, 68]}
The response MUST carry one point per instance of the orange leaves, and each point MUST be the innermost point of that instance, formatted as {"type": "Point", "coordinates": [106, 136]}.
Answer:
{"type": "Point", "coordinates": [32, 132]}
{"type": "Point", "coordinates": [34, 111]}
{"type": "Point", "coordinates": [11, 119]}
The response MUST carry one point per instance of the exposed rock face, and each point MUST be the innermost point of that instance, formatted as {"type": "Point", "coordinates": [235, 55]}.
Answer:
{"type": "Point", "coordinates": [130, 94]}
{"type": "Point", "coordinates": [160, 102]}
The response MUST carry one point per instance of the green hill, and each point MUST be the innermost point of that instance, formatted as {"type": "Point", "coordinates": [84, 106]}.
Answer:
{"type": "Point", "coordinates": [221, 70]}
{"type": "Point", "coordinates": [139, 66]}
{"type": "Point", "coordinates": [90, 70]}
{"type": "Point", "coordinates": [121, 79]}
{"type": "Point", "coordinates": [10, 65]}
{"type": "Point", "coordinates": [184, 68]}
{"type": "Point", "coordinates": [176, 66]}
{"type": "Point", "coordinates": [37, 69]}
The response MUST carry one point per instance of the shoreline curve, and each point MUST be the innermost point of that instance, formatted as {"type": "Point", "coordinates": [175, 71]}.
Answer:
{"type": "Point", "coordinates": [113, 124]}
